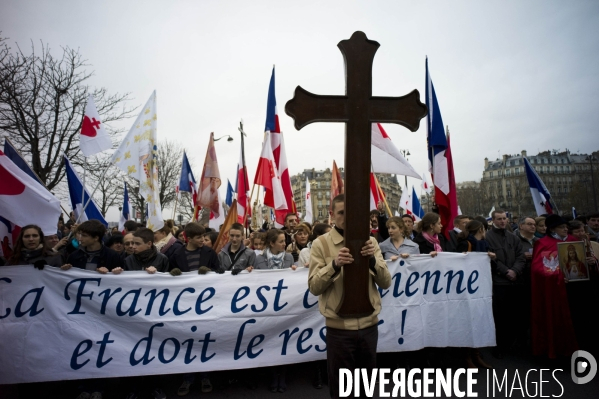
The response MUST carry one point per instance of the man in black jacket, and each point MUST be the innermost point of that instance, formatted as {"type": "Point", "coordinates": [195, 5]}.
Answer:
{"type": "Point", "coordinates": [195, 255]}
{"type": "Point", "coordinates": [508, 289]}
{"type": "Point", "coordinates": [92, 254]}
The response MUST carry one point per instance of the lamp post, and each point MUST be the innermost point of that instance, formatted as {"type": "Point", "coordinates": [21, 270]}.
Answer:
{"type": "Point", "coordinates": [591, 158]}
{"type": "Point", "coordinates": [405, 154]}
{"type": "Point", "coordinates": [226, 135]}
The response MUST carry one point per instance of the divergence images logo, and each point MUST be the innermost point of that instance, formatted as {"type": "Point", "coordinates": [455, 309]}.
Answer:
{"type": "Point", "coordinates": [583, 367]}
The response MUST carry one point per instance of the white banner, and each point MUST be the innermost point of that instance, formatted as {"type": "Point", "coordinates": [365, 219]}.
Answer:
{"type": "Point", "coordinates": [60, 325]}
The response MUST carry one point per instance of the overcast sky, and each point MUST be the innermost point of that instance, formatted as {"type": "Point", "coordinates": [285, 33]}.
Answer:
{"type": "Point", "coordinates": [509, 75]}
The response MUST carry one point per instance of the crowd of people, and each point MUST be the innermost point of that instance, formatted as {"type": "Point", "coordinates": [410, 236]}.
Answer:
{"type": "Point", "coordinates": [537, 306]}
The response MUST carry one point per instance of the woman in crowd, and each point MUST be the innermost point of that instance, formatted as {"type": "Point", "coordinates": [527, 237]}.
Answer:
{"type": "Point", "coordinates": [180, 235]}
{"type": "Point", "coordinates": [430, 240]}
{"type": "Point", "coordinates": [210, 238]}
{"type": "Point", "coordinates": [472, 239]}
{"type": "Point", "coordinates": [300, 241]}
{"type": "Point", "coordinates": [275, 257]}
{"type": "Point", "coordinates": [541, 227]}
{"type": "Point", "coordinates": [164, 240]}
{"type": "Point", "coordinates": [31, 249]}
{"type": "Point", "coordinates": [553, 331]}
{"type": "Point", "coordinates": [398, 245]}
{"type": "Point", "coordinates": [318, 230]}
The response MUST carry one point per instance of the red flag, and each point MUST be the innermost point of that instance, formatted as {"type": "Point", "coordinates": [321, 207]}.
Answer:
{"type": "Point", "coordinates": [210, 181]}
{"type": "Point", "coordinates": [376, 195]}
{"type": "Point", "coordinates": [447, 203]}
{"type": "Point", "coordinates": [223, 234]}
{"type": "Point", "coordinates": [337, 186]}
{"type": "Point", "coordinates": [244, 209]}
{"type": "Point", "coordinates": [267, 177]}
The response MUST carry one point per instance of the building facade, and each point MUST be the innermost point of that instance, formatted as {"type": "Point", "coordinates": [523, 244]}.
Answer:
{"type": "Point", "coordinates": [320, 191]}
{"type": "Point", "coordinates": [567, 176]}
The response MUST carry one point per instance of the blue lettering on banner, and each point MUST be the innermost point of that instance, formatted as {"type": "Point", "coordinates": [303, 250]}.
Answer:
{"type": "Point", "coordinates": [279, 288]}
{"type": "Point", "coordinates": [105, 341]}
{"type": "Point", "coordinates": [146, 356]}
{"type": "Point", "coordinates": [32, 310]}
{"type": "Point", "coordinates": [82, 282]}
{"type": "Point", "coordinates": [306, 304]}
{"type": "Point", "coordinates": [107, 295]}
{"type": "Point", "coordinates": [288, 335]}
{"type": "Point", "coordinates": [77, 353]}
{"type": "Point", "coordinates": [251, 345]}
{"type": "Point", "coordinates": [428, 275]}
{"type": "Point", "coordinates": [261, 299]}
{"type": "Point", "coordinates": [324, 339]}
{"type": "Point", "coordinates": [7, 309]}
{"type": "Point", "coordinates": [201, 300]}
{"type": "Point", "coordinates": [176, 310]}
{"type": "Point", "coordinates": [471, 280]}
{"type": "Point", "coordinates": [153, 295]}
{"type": "Point", "coordinates": [303, 337]}
{"type": "Point", "coordinates": [237, 298]}
{"type": "Point", "coordinates": [131, 310]}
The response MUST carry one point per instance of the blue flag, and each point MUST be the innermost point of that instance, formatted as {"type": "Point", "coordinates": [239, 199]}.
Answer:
{"type": "Point", "coordinates": [538, 190]}
{"type": "Point", "coordinates": [187, 182]}
{"type": "Point", "coordinates": [14, 155]}
{"type": "Point", "coordinates": [416, 207]}
{"type": "Point", "coordinates": [230, 193]}
{"type": "Point", "coordinates": [76, 191]}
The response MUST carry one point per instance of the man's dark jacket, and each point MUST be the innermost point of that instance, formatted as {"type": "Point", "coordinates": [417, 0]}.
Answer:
{"type": "Point", "coordinates": [510, 255]}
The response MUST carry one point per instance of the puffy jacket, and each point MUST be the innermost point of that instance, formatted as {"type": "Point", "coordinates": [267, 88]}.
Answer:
{"type": "Point", "coordinates": [208, 258]}
{"type": "Point", "coordinates": [107, 258]}
{"type": "Point", "coordinates": [508, 249]}
{"type": "Point", "coordinates": [159, 261]}
{"type": "Point", "coordinates": [244, 257]}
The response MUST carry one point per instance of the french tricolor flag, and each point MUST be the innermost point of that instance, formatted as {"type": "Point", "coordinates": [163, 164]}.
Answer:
{"type": "Point", "coordinates": [277, 144]}
{"type": "Point", "coordinates": [440, 161]}
{"type": "Point", "coordinates": [24, 201]}
{"type": "Point", "coordinates": [267, 176]}
{"type": "Point", "coordinates": [538, 190]}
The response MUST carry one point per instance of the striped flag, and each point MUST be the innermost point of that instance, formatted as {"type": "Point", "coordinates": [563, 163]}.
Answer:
{"type": "Point", "coordinates": [540, 194]}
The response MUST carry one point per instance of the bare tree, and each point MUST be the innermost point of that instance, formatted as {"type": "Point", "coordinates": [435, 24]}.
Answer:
{"type": "Point", "coordinates": [110, 187]}
{"type": "Point", "coordinates": [42, 101]}
{"type": "Point", "coordinates": [169, 158]}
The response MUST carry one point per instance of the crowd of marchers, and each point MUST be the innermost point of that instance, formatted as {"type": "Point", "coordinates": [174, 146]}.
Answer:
{"type": "Point", "coordinates": [536, 307]}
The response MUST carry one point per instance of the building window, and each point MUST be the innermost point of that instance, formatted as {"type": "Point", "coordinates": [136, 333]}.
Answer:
{"type": "Point", "coordinates": [517, 170]}
{"type": "Point", "coordinates": [491, 174]}
{"type": "Point", "coordinates": [507, 172]}
{"type": "Point", "coordinates": [509, 193]}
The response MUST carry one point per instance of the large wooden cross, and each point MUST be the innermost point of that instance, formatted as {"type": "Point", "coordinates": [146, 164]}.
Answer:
{"type": "Point", "coordinates": [358, 109]}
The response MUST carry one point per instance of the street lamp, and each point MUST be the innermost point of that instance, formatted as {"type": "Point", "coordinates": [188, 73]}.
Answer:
{"type": "Point", "coordinates": [591, 158]}
{"type": "Point", "coordinates": [226, 135]}
{"type": "Point", "coordinates": [405, 154]}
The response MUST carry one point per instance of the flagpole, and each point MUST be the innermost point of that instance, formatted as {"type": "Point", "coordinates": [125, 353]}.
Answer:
{"type": "Point", "coordinates": [93, 192]}
{"type": "Point", "coordinates": [248, 201]}
{"type": "Point", "coordinates": [245, 214]}
{"type": "Point", "coordinates": [83, 185]}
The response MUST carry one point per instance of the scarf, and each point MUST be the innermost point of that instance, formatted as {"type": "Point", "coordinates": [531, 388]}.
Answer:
{"type": "Point", "coordinates": [148, 254]}
{"type": "Point", "coordinates": [478, 245]}
{"type": "Point", "coordinates": [164, 244]}
{"type": "Point", "coordinates": [274, 261]}
{"type": "Point", "coordinates": [32, 253]}
{"type": "Point", "coordinates": [434, 239]}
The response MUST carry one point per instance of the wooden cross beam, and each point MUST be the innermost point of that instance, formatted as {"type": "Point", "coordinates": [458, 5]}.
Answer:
{"type": "Point", "coordinates": [358, 109]}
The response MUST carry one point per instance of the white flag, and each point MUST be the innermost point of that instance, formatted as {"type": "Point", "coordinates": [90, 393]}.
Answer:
{"type": "Point", "coordinates": [93, 138]}
{"type": "Point", "coordinates": [405, 202]}
{"type": "Point", "coordinates": [308, 199]}
{"type": "Point", "coordinates": [386, 158]}
{"type": "Point", "coordinates": [136, 156]}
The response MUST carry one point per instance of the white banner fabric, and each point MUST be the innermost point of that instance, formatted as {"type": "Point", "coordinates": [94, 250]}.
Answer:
{"type": "Point", "coordinates": [60, 325]}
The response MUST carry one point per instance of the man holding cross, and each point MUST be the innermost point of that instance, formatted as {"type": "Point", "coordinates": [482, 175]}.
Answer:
{"type": "Point", "coordinates": [351, 341]}
{"type": "Point", "coordinates": [345, 264]}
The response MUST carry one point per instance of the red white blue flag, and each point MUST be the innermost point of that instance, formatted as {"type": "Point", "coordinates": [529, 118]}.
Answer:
{"type": "Point", "coordinates": [277, 144]}
{"type": "Point", "coordinates": [439, 156]}
{"type": "Point", "coordinates": [540, 194]}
